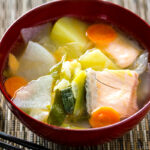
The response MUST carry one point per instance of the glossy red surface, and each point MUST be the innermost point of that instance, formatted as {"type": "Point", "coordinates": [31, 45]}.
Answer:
{"type": "Point", "coordinates": [91, 10]}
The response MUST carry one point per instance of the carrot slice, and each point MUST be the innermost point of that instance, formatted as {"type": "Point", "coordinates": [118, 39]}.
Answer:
{"type": "Point", "coordinates": [104, 116]}
{"type": "Point", "coordinates": [101, 34]}
{"type": "Point", "coordinates": [12, 84]}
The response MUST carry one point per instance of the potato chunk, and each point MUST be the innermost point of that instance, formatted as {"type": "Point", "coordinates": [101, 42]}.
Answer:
{"type": "Point", "coordinates": [96, 60]}
{"type": "Point", "coordinates": [70, 30]}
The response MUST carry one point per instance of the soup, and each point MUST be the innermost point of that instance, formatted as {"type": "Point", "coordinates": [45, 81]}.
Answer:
{"type": "Point", "coordinates": [76, 74]}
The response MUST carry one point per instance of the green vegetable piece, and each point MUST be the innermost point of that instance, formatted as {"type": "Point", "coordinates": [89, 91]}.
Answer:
{"type": "Point", "coordinates": [57, 113]}
{"type": "Point", "coordinates": [55, 70]}
{"type": "Point", "coordinates": [68, 100]}
{"type": "Point", "coordinates": [79, 94]}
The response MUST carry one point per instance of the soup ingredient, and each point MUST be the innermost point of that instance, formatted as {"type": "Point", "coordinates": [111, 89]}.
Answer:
{"type": "Point", "coordinates": [13, 64]}
{"type": "Point", "coordinates": [72, 100]}
{"type": "Point", "coordinates": [57, 113]}
{"type": "Point", "coordinates": [39, 114]}
{"type": "Point", "coordinates": [75, 66]}
{"type": "Point", "coordinates": [87, 87]}
{"type": "Point", "coordinates": [39, 34]}
{"type": "Point", "coordinates": [35, 62]}
{"type": "Point", "coordinates": [140, 64]}
{"type": "Point", "coordinates": [72, 89]}
{"type": "Point", "coordinates": [96, 60]}
{"type": "Point", "coordinates": [12, 84]}
{"type": "Point", "coordinates": [104, 116]}
{"type": "Point", "coordinates": [65, 71]}
{"type": "Point", "coordinates": [69, 69]}
{"type": "Point", "coordinates": [72, 50]}
{"type": "Point", "coordinates": [59, 53]}
{"type": "Point", "coordinates": [34, 33]}
{"type": "Point", "coordinates": [144, 87]}
{"type": "Point", "coordinates": [67, 30]}
{"type": "Point", "coordinates": [68, 100]}
{"type": "Point", "coordinates": [123, 51]}
{"type": "Point", "coordinates": [62, 84]}
{"type": "Point", "coordinates": [112, 88]}
{"type": "Point", "coordinates": [43, 38]}
{"type": "Point", "coordinates": [79, 93]}
{"type": "Point", "coordinates": [56, 69]}
{"type": "Point", "coordinates": [35, 97]}
{"type": "Point", "coordinates": [101, 34]}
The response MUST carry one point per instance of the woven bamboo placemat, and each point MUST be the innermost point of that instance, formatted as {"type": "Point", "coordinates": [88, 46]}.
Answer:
{"type": "Point", "coordinates": [137, 139]}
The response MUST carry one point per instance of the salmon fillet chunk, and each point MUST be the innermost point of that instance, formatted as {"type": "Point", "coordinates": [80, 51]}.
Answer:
{"type": "Point", "coordinates": [112, 88]}
{"type": "Point", "coordinates": [123, 51]}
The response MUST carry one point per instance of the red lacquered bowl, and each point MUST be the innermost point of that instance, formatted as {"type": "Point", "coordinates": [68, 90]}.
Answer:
{"type": "Point", "coordinates": [90, 10]}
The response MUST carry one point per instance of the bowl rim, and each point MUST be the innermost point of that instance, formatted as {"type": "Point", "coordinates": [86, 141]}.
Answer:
{"type": "Point", "coordinates": [120, 123]}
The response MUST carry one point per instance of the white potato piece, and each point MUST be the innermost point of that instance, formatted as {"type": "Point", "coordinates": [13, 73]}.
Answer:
{"type": "Point", "coordinates": [35, 62]}
{"type": "Point", "coordinates": [35, 97]}
{"type": "Point", "coordinates": [112, 88]}
{"type": "Point", "coordinates": [123, 51]}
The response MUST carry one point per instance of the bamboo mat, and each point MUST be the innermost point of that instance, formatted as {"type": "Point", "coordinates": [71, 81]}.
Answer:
{"type": "Point", "coordinates": [137, 139]}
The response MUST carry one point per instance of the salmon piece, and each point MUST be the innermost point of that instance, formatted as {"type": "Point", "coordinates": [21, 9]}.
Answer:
{"type": "Point", "coordinates": [123, 51]}
{"type": "Point", "coordinates": [112, 88]}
